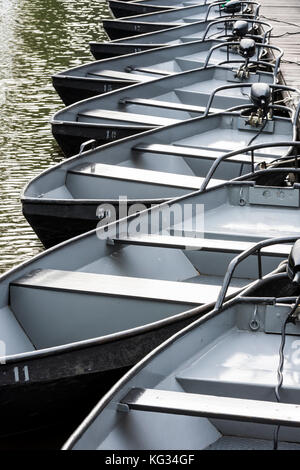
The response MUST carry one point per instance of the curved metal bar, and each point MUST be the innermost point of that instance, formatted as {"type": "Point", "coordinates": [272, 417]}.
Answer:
{"type": "Point", "coordinates": [258, 45]}
{"type": "Point", "coordinates": [274, 87]}
{"type": "Point", "coordinates": [248, 20]}
{"type": "Point", "coordinates": [86, 144]}
{"type": "Point", "coordinates": [252, 148]}
{"type": "Point", "coordinates": [267, 171]}
{"type": "Point", "coordinates": [238, 259]}
{"type": "Point", "coordinates": [242, 2]}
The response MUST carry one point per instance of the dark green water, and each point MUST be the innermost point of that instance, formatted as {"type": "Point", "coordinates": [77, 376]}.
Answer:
{"type": "Point", "coordinates": [37, 39]}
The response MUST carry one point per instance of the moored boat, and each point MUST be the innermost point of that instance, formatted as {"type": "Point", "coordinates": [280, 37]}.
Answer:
{"type": "Point", "coordinates": [107, 75]}
{"type": "Point", "coordinates": [219, 29]}
{"type": "Point", "coordinates": [75, 317]}
{"type": "Point", "coordinates": [137, 24]}
{"type": "Point", "coordinates": [121, 9]}
{"type": "Point", "coordinates": [153, 166]}
{"type": "Point", "coordinates": [219, 379]}
{"type": "Point", "coordinates": [167, 100]}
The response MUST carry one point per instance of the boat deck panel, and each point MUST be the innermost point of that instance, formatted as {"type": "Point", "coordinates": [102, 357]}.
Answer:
{"type": "Point", "coordinates": [241, 364]}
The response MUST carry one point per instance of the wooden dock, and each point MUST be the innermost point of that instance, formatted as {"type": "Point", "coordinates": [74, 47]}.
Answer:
{"type": "Point", "coordinates": [284, 16]}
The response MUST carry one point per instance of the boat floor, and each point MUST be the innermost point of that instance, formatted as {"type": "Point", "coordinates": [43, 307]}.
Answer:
{"type": "Point", "coordinates": [155, 111]}
{"type": "Point", "coordinates": [231, 366]}
{"type": "Point", "coordinates": [226, 140]}
{"type": "Point", "coordinates": [175, 65]}
{"type": "Point", "coordinates": [252, 221]}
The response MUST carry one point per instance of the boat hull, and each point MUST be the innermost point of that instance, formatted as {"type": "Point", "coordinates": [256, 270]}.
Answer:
{"type": "Point", "coordinates": [70, 135]}
{"type": "Point", "coordinates": [121, 9]}
{"type": "Point", "coordinates": [46, 390]}
{"type": "Point", "coordinates": [116, 29]}
{"type": "Point", "coordinates": [73, 89]}
{"type": "Point", "coordinates": [108, 50]}
{"type": "Point", "coordinates": [54, 223]}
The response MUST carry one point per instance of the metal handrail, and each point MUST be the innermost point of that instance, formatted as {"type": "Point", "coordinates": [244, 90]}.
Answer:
{"type": "Point", "coordinates": [85, 144]}
{"type": "Point", "coordinates": [256, 249]}
{"type": "Point", "coordinates": [258, 61]}
{"type": "Point", "coordinates": [251, 148]}
{"type": "Point", "coordinates": [267, 33]}
{"type": "Point", "coordinates": [242, 2]}
{"type": "Point", "coordinates": [274, 87]}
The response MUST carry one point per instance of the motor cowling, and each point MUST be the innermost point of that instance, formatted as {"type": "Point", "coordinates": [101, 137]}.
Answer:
{"type": "Point", "coordinates": [293, 267]}
{"type": "Point", "coordinates": [240, 29]}
{"type": "Point", "coordinates": [260, 95]}
{"type": "Point", "coordinates": [233, 6]}
{"type": "Point", "coordinates": [247, 48]}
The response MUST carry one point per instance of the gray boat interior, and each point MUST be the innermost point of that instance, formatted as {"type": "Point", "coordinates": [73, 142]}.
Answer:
{"type": "Point", "coordinates": [215, 380]}
{"type": "Point", "coordinates": [148, 102]}
{"type": "Point", "coordinates": [159, 62]}
{"type": "Point", "coordinates": [187, 33]}
{"type": "Point", "coordinates": [86, 284]}
{"type": "Point", "coordinates": [160, 164]}
{"type": "Point", "coordinates": [188, 14]}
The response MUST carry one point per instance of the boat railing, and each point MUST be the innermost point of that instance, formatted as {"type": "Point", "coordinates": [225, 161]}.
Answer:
{"type": "Point", "coordinates": [265, 36]}
{"type": "Point", "coordinates": [244, 4]}
{"type": "Point", "coordinates": [87, 143]}
{"type": "Point", "coordinates": [292, 145]}
{"type": "Point", "coordinates": [294, 113]}
{"type": "Point", "coordinates": [255, 250]}
{"type": "Point", "coordinates": [257, 61]}
{"type": "Point", "coordinates": [274, 88]}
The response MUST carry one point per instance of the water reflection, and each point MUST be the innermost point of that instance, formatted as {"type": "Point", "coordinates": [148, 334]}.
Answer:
{"type": "Point", "coordinates": [37, 38]}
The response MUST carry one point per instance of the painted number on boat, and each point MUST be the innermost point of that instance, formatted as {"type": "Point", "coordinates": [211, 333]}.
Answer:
{"type": "Point", "coordinates": [111, 135]}
{"type": "Point", "coordinates": [107, 87]}
{"type": "Point", "coordinates": [21, 374]}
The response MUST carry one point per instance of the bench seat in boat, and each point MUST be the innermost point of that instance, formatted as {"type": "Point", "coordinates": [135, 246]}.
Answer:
{"type": "Point", "coordinates": [83, 181]}
{"type": "Point", "coordinates": [121, 117]}
{"type": "Point", "coordinates": [56, 307]}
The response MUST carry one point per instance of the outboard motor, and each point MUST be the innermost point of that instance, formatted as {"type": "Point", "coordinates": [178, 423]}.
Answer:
{"type": "Point", "coordinates": [232, 7]}
{"type": "Point", "coordinates": [261, 96]}
{"type": "Point", "coordinates": [293, 267]}
{"type": "Point", "coordinates": [247, 48]}
{"type": "Point", "coordinates": [240, 29]}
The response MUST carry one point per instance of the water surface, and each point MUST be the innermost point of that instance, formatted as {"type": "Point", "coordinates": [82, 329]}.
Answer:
{"type": "Point", "coordinates": [37, 38]}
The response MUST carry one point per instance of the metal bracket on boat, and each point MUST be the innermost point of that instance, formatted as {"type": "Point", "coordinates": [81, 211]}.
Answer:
{"type": "Point", "coordinates": [86, 144]}
{"type": "Point", "coordinates": [110, 241]}
{"type": "Point", "coordinates": [243, 72]}
{"type": "Point", "coordinates": [123, 408]}
{"type": "Point", "coordinates": [254, 323]}
{"type": "Point", "coordinates": [296, 315]}
{"type": "Point", "coordinates": [242, 201]}
{"type": "Point", "coordinates": [256, 119]}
